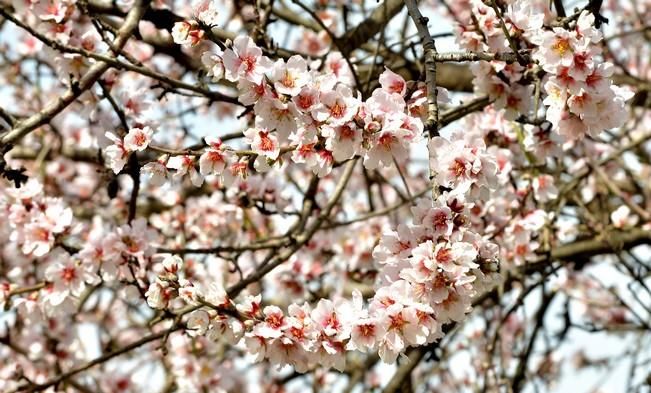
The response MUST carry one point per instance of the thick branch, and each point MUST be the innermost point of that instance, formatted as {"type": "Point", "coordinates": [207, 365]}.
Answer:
{"type": "Point", "coordinates": [378, 20]}
{"type": "Point", "coordinates": [429, 47]}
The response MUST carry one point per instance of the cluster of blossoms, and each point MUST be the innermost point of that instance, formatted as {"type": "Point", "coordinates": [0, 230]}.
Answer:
{"type": "Point", "coordinates": [205, 373]}
{"type": "Point", "coordinates": [581, 98]}
{"type": "Point", "coordinates": [40, 260]}
{"type": "Point", "coordinates": [579, 94]}
{"type": "Point", "coordinates": [427, 273]}
{"type": "Point", "coordinates": [44, 230]}
{"type": "Point", "coordinates": [137, 139]}
{"type": "Point", "coordinates": [431, 270]}
{"type": "Point", "coordinates": [575, 87]}
{"type": "Point", "coordinates": [598, 305]}
{"type": "Point", "coordinates": [516, 217]}
{"type": "Point", "coordinates": [408, 312]}
{"type": "Point", "coordinates": [512, 217]}
{"type": "Point", "coordinates": [307, 111]}
{"type": "Point", "coordinates": [35, 220]}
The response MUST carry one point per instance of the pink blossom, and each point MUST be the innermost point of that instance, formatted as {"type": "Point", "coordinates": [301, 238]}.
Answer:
{"type": "Point", "coordinates": [138, 138]}
{"type": "Point", "coordinates": [290, 77]}
{"type": "Point", "coordinates": [337, 107]}
{"type": "Point", "coordinates": [263, 142]}
{"type": "Point", "coordinates": [392, 82]}
{"type": "Point", "coordinates": [38, 240]}
{"type": "Point", "coordinates": [524, 16]}
{"type": "Point", "coordinates": [205, 11]}
{"type": "Point", "coordinates": [157, 172]}
{"type": "Point", "coordinates": [306, 99]}
{"type": "Point", "coordinates": [135, 102]}
{"type": "Point", "coordinates": [237, 170]}
{"type": "Point", "coordinates": [159, 294]}
{"type": "Point", "coordinates": [67, 275]}
{"type": "Point", "coordinates": [622, 217]}
{"type": "Point", "coordinates": [337, 66]}
{"type": "Point", "coordinates": [116, 154]}
{"type": "Point", "coordinates": [183, 165]}
{"type": "Point", "coordinates": [51, 10]}
{"type": "Point", "coordinates": [344, 141]}
{"type": "Point", "coordinates": [245, 60]}
{"type": "Point", "coordinates": [387, 145]}
{"type": "Point", "coordinates": [556, 49]}
{"type": "Point", "coordinates": [544, 189]}
{"type": "Point", "coordinates": [214, 63]}
{"type": "Point", "coordinates": [250, 93]}
{"type": "Point", "coordinates": [402, 329]}
{"type": "Point", "coordinates": [187, 33]}
{"type": "Point", "coordinates": [273, 325]}
{"type": "Point", "coordinates": [277, 115]}
{"type": "Point", "coordinates": [214, 160]}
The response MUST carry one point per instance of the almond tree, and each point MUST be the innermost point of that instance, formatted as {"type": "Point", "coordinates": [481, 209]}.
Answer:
{"type": "Point", "coordinates": [274, 196]}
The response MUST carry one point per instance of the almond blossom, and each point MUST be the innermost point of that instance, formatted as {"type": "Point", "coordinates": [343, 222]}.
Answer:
{"type": "Point", "coordinates": [214, 63]}
{"type": "Point", "coordinates": [137, 139]}
{"type": "Point", "coordinates": [68, 275]}
{"type": "Point", "coordinates": [184, 164]}
{"type": "Point", "coordinates": [263, 142]}
{"type": "Point", "coordinates": [290, 77]}
{"type": "Point", "coordinates": [159, 294]}
{"type": "Point", "coordinates": [205, 11]}
{"type": "Point", "coordinates": [116, 154]}
{"type": "Point", "coordinates": [245, 60]}
{"type": "Point", "coordinates": [544, 189]}
{"type": "Point", "coordinates": [157, 171]}
{"type": "Point", "coordinates": [187, 33]}
{"type": "Point", "coordinates": [344, 141]}
{"type": "Point", "coordinates": [622, 217]}
{"type": "Point", "coordinates": [337, 107]}
{"type": "Point", "coordinates": [214, 160]}
{"type": "Point", "coordinates": [392, 82]}
{"type": "Point", "coordinates": [387, 145]}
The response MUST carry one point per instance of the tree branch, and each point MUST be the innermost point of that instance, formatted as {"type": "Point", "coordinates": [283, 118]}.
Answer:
{"type": "Point", "coordinates": [429, 47]}
{"type": "Point", "coordinates": [77, 88]}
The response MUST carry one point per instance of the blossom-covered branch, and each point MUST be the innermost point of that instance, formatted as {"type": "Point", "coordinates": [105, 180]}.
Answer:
{"type": "Point", "coordinates": [280, 196]}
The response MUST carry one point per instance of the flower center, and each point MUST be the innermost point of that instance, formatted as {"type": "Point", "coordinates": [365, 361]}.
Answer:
{"type": "Point", "coordinates": [337, 110]}
{"type": "Point", "coordinates": [68, 274]}
{"type": "Point", "coordinates": [367, 329]}
{"type": "Point", "coordinates": [131, 244]}
{"type": "Point", "coordinates": [440, 220]}
{"type": "Point", "coordinates": [215, 156]}
{"type": "Point", "coordinates": [305, 101]}
{"type": "Point", "coordinates": [561, 46]}
{"type": "Point", "coordinates": [288, 81]}
{"type": "Point", "coordinates": [42, 234]}
{"type": "Point", "coordinates": [385, 141]}
{"type": "Point", "coordinates": [140, 139]}
{"type": "Point", "coordinates": [397, 321]}
{"type": "Point", "coordinates": [266, 144]}
{"type": "Point", "coordinates": [275, 321]}
{"type": "Point", "coordinates": [249, 63]}
{"type": "Point", "coordinates": [458, 167]}
{"type": "Point", "coordinates": [444, 255]}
